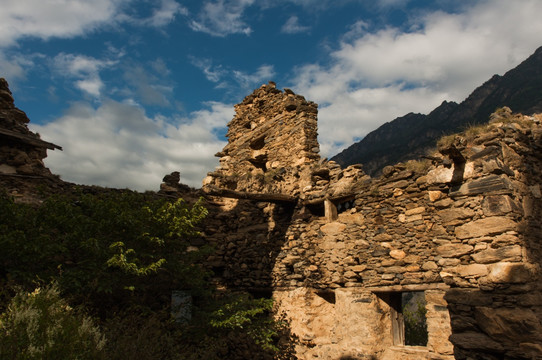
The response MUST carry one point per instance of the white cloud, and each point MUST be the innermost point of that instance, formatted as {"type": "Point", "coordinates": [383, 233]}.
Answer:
{"type": "Point", "coordinates": [13, 67]}
{"type": "Point", "coordinates": [263, 74]}
{"type": "Point", "coordinates": [292, 26]}
{"type": "Point", "coordinates": [83, 70]}
{"type": "Point", "coordinates": [47, 19]}
{"type": "Point", "coordinates": [53, 18]}
{"type": "Point", "coordinates": [118, 145]}
{"type": "Point", "coordinates": [445, 58]}
{"type": "Point", "coordinates": [213, 73]}
{"type": "Point", "coordinates": [166, 13]}
{"type": "Point", "coordinates": [149, 88]}
{"type": "Point", "coordinates": [222, 18]}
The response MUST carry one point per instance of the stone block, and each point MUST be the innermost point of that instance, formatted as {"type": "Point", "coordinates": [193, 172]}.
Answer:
{"type": "Point", "coordinates": [485, 227]}
{"type": "Point", "coordinates": [415, 211]}
{"type": "Point", "coordinates": [498, 205]}
{"type": "Point", "coordinates": [476, 341]}
{"type": "Point", "coordinates": [333, 228]}
{"type": "Point", "coordinates": [6, 169]}
{"type": "Point", "coordinates": [512, 324]}
{"type": "Point", "coordinates": [430, 265]}
{"type": "Point", "coordinates": [483, 185]}
{"type": "Point", "coordinates": [508, 272]}
{"type": "Point", "coordinates": [440, 175]}
{"type": "Point", "coordinates": [471, 270]}
{"type": "Point", "coordinates": [511, 253]}
{"type": "Point", "coordinates": [397, 254]}
{"type": "Point", "coordinates": [358, 268]}
{"type": "Point", "coordinates": [468, 297]}
{"type": "Point", "coordinates": [449, 215]}
{"type": "Point", "coordinates": [454, 250]}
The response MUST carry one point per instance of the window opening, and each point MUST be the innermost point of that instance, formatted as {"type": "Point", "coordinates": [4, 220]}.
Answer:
{"type": "Point", "coordinates": [317, 209]}
{"type": "Point", "coordinates": [345, 204]}
{"type": "Point", "coordinates": [408, 317]}
{"type": "Point", "coordinates": [328, 296]}
{"type": "Point", "coordinates": [258, 143]}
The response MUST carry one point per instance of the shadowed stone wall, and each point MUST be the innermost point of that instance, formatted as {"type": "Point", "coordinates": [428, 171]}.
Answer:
{"type": "Point", "coordinates": [462, 228]}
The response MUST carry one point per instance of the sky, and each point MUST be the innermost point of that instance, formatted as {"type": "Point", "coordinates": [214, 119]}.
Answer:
{"type": "Point", "coordinates": [135, 89]}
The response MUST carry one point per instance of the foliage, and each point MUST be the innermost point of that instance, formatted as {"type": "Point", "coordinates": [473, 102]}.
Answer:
{"type": "Point", "coordinates": [120, 256]}
{"type": "Point", "coordinates": [415, 322]}
{"type": "Point", "coordinates": [136, 334]}
{"type": "Point", "coordinates": [239, 327]}
{"type": "Point", "coordinates": [418, 166]}
{"type": "Point", "coordinates": [41, 325]}
{"type": "Point", "coordinates": [103, 248]}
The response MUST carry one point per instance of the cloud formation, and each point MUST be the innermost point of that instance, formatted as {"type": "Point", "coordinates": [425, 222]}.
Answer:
{"type": "Point", "coordinates": [222, 18]}
{"type": "Point", "coordinates": [374, 77]}
{"type": "Point", "coordinates": [53, 18]}
{"type": "Point", "coordinates": [117, 145]}
{"type": "Point", "coordinates": [292, 26]}
{"type": "Point", "coordinates": [83, 70]}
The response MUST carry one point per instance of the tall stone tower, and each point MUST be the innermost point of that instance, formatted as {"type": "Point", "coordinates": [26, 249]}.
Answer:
{"type": "Point", "coordinates": [272, 145]}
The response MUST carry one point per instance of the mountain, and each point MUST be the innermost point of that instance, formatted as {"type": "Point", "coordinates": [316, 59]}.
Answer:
{"type": "Point", "coordinates": [412, 135]}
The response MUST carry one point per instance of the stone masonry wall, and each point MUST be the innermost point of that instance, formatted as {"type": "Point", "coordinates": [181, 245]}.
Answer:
{"type": "Point", "coordinates": [462, 228]}
{"type": "Point", "coordinates": [21, 151]}
{"type": "Point", "coordinates": [272, 139]}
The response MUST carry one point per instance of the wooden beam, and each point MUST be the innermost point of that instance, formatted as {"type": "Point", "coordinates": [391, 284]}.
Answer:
{"type": "Point", "coordinates": [321, 199]}
{"type": "Point", "coordinates": [29, 140]}
{"type": "Point", "coordinates": [267, 197]}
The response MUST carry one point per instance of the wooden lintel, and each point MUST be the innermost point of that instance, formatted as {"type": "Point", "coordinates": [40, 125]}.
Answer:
{"type": "Point", "coordinates": [320, 200]}
{"type": "Point", "coordinates": [267, 197]}
{"type": "Point", "coordinates": [29, 140]}
{"type": "Point", "coordinates": [408, 287]}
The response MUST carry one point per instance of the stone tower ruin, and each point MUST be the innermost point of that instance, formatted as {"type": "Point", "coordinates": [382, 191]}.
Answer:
{"type": "Point", "coordinates": [454, 238]}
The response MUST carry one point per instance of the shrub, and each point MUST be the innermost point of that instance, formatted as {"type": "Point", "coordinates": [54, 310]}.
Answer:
{"type": "Point", "coordinates": [105, 251]}
{"type": "Point", "coordinates": [41, 325]}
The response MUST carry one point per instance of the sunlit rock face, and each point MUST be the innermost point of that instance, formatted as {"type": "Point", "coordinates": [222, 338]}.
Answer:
{"type": "Point", "coordinates": [341, 251]}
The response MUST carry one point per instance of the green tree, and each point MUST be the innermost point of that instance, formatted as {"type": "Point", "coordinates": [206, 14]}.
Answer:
{"type": "Point", "coordinates": [108, 250]}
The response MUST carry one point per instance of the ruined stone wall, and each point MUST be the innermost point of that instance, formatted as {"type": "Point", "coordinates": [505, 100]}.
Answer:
{"type": "Point", "coordinates": [272, 139]}
{"type": "Point", "coordinates": [463, 230]}
{"type": "Point", "coordinates": [21, 151]}
{"type": "Point", "coordinates": [466, 233]}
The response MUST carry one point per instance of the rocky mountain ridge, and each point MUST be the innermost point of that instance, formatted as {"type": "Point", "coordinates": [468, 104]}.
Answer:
{"type": "Point", "coordinates": [412, 135]}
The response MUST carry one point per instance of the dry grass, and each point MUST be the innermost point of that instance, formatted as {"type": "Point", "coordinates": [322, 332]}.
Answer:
{"type": "Point", "coordinates": [418, 166]}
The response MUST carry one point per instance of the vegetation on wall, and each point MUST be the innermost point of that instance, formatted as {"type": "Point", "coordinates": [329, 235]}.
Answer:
{"type": "Point", "coordinates": [115, 258]}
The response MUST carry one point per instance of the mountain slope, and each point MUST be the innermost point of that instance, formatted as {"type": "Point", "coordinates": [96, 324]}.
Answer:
{"type": "Point", "coordinates": [410, 136]}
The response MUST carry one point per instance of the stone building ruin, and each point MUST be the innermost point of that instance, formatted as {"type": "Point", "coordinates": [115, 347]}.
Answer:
{"type": "Point", "coordinates": [349, 258]}
{"type": "Point", "coordinates": [21, 151]}
{"type": "Point", "coordinates": [340, 252]}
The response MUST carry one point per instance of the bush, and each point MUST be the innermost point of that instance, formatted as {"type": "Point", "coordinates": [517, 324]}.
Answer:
{"type": "Point", "coordinates": [105, 251]}
{"type": "Point", "coordinates": [41, 325]}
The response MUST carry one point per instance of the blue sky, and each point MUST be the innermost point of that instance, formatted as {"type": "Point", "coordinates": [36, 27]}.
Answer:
{"type": "Point", "coordinates": [135, 89]}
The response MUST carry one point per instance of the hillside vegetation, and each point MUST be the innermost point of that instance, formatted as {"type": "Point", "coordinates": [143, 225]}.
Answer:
{"type": "Point", "coordinates": [91, 277]}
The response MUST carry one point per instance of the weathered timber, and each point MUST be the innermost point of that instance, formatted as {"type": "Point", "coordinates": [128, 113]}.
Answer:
{"type": "Point", "coordinates": [29, 140]}
{"type": "Point", "coordinates": [267, 197]}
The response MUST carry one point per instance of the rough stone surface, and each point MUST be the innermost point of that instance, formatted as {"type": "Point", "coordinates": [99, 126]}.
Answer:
{"type": "Point", "coordinates": [337, 247]}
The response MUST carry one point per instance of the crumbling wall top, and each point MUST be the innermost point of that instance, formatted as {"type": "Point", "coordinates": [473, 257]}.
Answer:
{"type": "Point", "coordinates": [272, 141]}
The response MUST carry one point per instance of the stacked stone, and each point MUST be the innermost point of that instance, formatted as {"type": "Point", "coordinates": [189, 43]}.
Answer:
{"type": "Point", "coordinates": [464, 228]}
{"type": "Point", "coordinates": [21, 151]}
{"type": "Point", "coordinates": [247, 238]}
{"type": "Point", "coordinates": [469, 224]}
{"type": "Point", "coordinates": [271, 140]}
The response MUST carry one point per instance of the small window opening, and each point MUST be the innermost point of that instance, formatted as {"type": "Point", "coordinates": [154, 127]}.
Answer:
{"type": "Point", "coordinates": [261, 293]}
{"type": "Point", "coordinates": [408, 317]}
{"type": "Point", "coordinates": [259, 162]}
{"type": "Point", "coordinates": [258, 143]}
{"type": "Point", "coordinates": [344, 205]}
{"type": "Point", "coordinates": [328, 296]}
{"type": "Point", "coordinates": [317, 209]}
